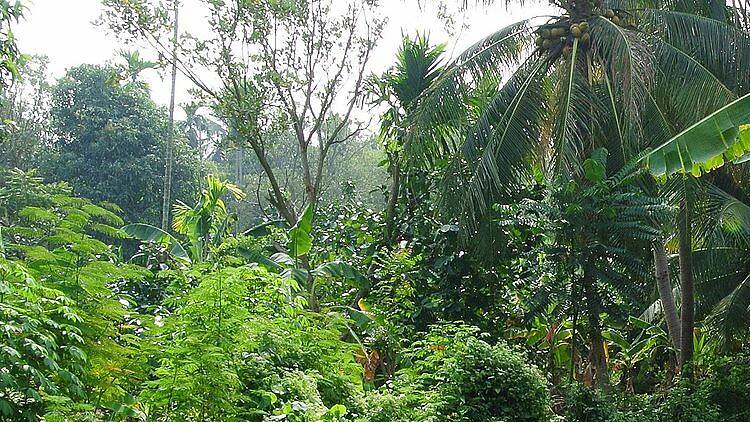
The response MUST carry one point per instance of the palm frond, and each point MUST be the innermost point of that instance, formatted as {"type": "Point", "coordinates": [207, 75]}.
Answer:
{"type": "Point", "coordinates": [629, 70]}
{"type": "Point", "coordinates": [496, 149]}
{"type": "Point", "coordinates": [722, 217]}
{"type": "Point", "coordinates": [719, 47]}
{"type": "Point", "coordinates": [732, 314]}
{"type": "Point", "coordinates": [441, 110]}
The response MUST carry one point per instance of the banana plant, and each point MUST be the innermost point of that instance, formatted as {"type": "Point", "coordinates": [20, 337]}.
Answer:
{"type": "Point", "coordinates": [722, 136]}
{"type": "Point", "coordinates": [647, 343]}
{"type": "Point", "coordinates": [554, 335]}
{"type": "Point", "coordinates": [148, 233]}
{"type": "Point", "coordinates": [288, 263]}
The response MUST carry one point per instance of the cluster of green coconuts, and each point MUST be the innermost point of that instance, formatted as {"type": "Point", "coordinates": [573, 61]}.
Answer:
{"type": "Point", "coordinates": [563, 32]}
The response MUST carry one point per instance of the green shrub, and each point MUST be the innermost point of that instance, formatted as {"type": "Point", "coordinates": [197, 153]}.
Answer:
{"type": "Point", "coordinates": [66, 339]}
{"type": "Point", "coordinates": [240, 346]}
{"type": "Point", "coordinates": [585, 404]}
{"type": "Point", "coordinates": [681, 403]}
{"type": "Point", "coordinates": [728, 386]}
{"type": "Point", "coordinates": [386, 406]}
{"type": "Point", "coordinates": [452, 375]}
{"type": "Point", "coordinates": [685, 404]}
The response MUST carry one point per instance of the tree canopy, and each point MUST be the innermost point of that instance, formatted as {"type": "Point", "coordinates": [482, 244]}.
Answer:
{"type": "Point", "coordinates": [552, 225]}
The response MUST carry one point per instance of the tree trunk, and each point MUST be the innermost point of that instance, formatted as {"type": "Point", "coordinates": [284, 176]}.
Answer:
{"type": "Point", "coordinates": [390, 210]}
{"type": "Point", "coordinates": [312, 295]}
{"type": "Point", "coordinates": [686, 279]}
{"type": "Point", "coordinates": [598, 356]}
{"type": "Point", "coordinates": [167, 192]}
{"type": "Point", "coordinates": [239, 161]}
{"type": "Point", "coordinates": [276, 196]}
{"type": "Point", "coordinates": [664, 285]}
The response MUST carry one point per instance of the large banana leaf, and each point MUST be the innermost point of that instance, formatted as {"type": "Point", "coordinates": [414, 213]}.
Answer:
{"type": "Point", "coordinates": [705, 145]}
{"type": "Point", "coordinates": [149, 233]}
{"type": "Point", "coordinates": [744, 138]}
{"type": "Point", "coordinates": [264, 229]}
{"type": "Point", "coordinates": [259, 258]}
{"type": "Point", "coordinates": [339, 269]}
{"type": "Point", "coordinates": [300, 239]}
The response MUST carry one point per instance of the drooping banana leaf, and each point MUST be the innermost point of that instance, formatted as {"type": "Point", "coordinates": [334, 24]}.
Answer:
{"type": "Point", "coordinates": [300, 239]}
{"type": "Point", "coordinates": [149, 233]}
{"type": "Point", "coordinates": [300, 275]}
{"type": "Point", "coordinates": [706, 145]}
{"type": "Point", "coordinates": [339, 269]}
{"type": "Point", "coordinates": [263, 229]}
{"type": "Point", "coordinates": [744, 138]}
{"type": "Point", "coordinates": [259, 258]}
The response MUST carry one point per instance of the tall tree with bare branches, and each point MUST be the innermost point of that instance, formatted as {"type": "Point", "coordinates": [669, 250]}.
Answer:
{"type": "Point", "coordinates": [292, 65]}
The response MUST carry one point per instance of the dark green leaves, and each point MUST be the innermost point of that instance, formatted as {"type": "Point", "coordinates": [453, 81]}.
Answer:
{"type": "Point", "coordinates": [339, 269]}
{"type": "Point", "coordinates": [594, 168]}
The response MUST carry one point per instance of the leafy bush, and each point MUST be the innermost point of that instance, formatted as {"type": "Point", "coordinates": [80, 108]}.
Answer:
{"type": "Point", "coordinates": [66, 337]}
{"type": "Point", "coordinates": [240, 346]}
{"type": "Point", "coordinates": [683, 403]}
{"type": "Point", "coordinates": [453, 375]}
{"type": "Point", "coordinates": [729, 387]}
{"type": "Point", "coordinates": [41, 344]}
{"type": "Point", "coordinates": [584, 404]}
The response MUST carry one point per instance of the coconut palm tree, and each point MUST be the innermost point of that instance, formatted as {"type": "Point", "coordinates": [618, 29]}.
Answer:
{"type": "Point", "coordinates": [706, 145]}
{"type": "Point", "coordinates": [623, 75]}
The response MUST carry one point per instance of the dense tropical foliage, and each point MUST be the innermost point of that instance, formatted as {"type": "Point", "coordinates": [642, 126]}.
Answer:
{"type": "Point", "coordinates": [553, 225]}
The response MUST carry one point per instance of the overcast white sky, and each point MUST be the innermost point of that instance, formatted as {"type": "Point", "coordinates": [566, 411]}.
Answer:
{"type": "Point", "coordinates": [64, 31]}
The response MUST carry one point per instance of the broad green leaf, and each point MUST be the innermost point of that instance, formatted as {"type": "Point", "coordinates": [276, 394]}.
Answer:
{"type": "Point", "coordinates": [300, 239]}
{"type": "Point", "coordinates": [337, 411]}
{"type": "Point", "coordinates": [283, 259]}
{"type": "Point", "coordinates": [149, 233]}
{"type": "Point", "coordinates": [641, 348]}
{"type": "Point", "coordinates": [617, 339]}
{"type": "Point", "coordinates": [705, 145]}
{"type": "Point", "coordinates": [257, 257]}
{"type": "Point", "coordinates": [263, 229]}
{"type": "Point", "coordinates": [594, 170]}
{"type": "Point", "coordinates": [341, 270]}
{"type": "Point", "coordinates": [639, 323]}
{"type": "Point", "coordinates": [361, 318]}
{"type": "Point", "coordinates": [743, 139]}
{"type": "Point", "coordinates": [297, 274]}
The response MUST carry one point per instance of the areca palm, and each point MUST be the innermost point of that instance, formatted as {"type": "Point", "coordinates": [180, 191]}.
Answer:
{"type": "Point", "coordinates": [417, 66]}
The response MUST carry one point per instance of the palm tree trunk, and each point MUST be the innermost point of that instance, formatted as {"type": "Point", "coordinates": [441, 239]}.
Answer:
{"type": "Point", "coordinates": [686, 279]}
{"type": "Point", "coordinates": [663, 284]}
{"type": "Point", "coordinates": [167, 191]}
{"type": "Point", "coordinates": [598, 355]}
